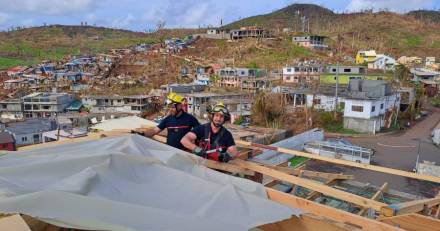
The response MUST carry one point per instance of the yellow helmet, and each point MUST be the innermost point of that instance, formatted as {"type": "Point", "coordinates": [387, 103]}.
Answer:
{"type": "Point", "coordinates": [174, 98]}
{"type": "Point", "coordinates": [221, 108]}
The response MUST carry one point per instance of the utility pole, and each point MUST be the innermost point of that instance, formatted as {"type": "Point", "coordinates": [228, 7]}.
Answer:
{"type": "Point", "coordinates": [336, 91]}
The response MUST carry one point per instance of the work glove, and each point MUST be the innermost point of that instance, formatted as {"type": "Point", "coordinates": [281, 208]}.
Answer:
{"type": "Point", "coordinates": [200, 152]}
{"type": "Point", "coordinates": [224, 157]}
{"type": "Point", "coordinates": [137, 132]}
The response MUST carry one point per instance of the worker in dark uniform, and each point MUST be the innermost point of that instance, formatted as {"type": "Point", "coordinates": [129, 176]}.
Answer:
{"type": "Point", "coordinates": [212, 140]}
{"type": "Point", "coordinates": [177, 122]}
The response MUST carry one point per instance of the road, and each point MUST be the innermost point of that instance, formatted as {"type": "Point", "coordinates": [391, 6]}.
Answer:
{"type": "Point", "coordinates": [397, 151]}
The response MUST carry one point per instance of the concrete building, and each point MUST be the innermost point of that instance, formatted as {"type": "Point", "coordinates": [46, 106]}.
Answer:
{"type": "Point", "coordinates": [243, 78]}
{"type": "Point", "coordinates": [383, 62]}
{"type": "Point", "coordinates": [365, 56]}
{"type": "Point", "coordinates": [429, 61]}
{"type": "Point", "coordinates": [302, 73]}
{"type": "Point", "coordinates": [370, 106]}
{"type": "Point", "coordinates": [367, 105]}
{"type": "Point", "coordinates": [183, 88]}
{"type": "Point", "coordinates": [215, 33]}
{"type": "Point", "coordinates": [419, 74]}
{"type": "Point", "coordinates": [31, 131]}
{"type": "Point", "coordinates": [310, 41]}
{"type": "Point", "coordinates": [44, 104]}
{"type": "Point", "coordinates": [237, 103]}
{"type": "Point", "coordinates": [249, 32]}
{"type": "Point", "coordinates": [110, 104]}
{"type": "Point", "coordinates": [11, 109]}
{"type": "Point", "coordinates": [409, 61]}
{"type": "Point", "coordinates": [346, 73]}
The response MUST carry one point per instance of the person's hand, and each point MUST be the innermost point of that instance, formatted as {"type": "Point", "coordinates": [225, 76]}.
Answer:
{"type": "Point", "coordinates": [224, 157]}
{"type": "Point", "coordinates": [200, 152]}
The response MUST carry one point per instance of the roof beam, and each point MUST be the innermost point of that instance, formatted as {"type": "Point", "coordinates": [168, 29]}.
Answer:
{"type": "Point", "coordinates": [344, 162]}
{"type": "Point", "coordinates": [328, 212]}
{"type": "Point", "coordinates": [310, 184]}
{"type": "Point", "coordinates": [411, 206]}
{"type": "Point", "coordinates": [382, 189]}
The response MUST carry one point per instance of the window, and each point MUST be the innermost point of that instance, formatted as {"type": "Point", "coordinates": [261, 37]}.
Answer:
{"type": "Point", "coordinates": [317, 101]}
{"type": "Point", "coordinates": [357, 108]}
{"type": "Point", "coordinates": [289, 69]}
{"type": "Point", "coordinates": [373, 108]}
{"type": "Point", "coordinates": [381, 106]}
{"type": "Point", "coordinates": [347, 70]}
{"type": "Point", "coordinates": [334, 69]}
{"type": "Point", "coordinates": [288, 78]}
{"type": "Point", "coordinates": [4, 106]}
{"type": "Point", "coordinates": [46, 107]}
{"type": "Point", "coordinates": [24, 138]}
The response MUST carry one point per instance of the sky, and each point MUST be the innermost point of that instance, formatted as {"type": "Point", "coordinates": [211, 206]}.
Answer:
{"type": "Point", "coordinates": [144, 15]}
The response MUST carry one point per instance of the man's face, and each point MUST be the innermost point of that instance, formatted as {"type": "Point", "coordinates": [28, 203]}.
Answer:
{"type": "Point", "coordinates": [172, 109]}
{"type": "Point", "coordinates": [218, 118]}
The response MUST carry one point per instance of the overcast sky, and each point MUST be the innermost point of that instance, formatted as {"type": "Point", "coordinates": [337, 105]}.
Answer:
{"type": "Point", "coordinates": [140, 15]}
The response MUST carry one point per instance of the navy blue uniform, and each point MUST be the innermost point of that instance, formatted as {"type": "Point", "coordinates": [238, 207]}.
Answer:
{"type": "Point", "coordinates": [177, 128]}
{"type": "Point", "coordinates": [208, 140]}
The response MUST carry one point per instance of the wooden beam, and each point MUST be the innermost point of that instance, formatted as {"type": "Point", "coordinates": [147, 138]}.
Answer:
{"type": "Point", "coordinates": [345, 162]}
{"type": "Point", "coordinates": [14, 222]}
{"type": "Point", "coordinates": [414, 222]}
{"type": "Point", "coordinates": [308, 173]}
{"type": "Point", "coordinates": [307, 222]}
{"type": "Point", "coordinates": [328, 212]}
{"type": "Point", "coordinates": [411, 206]}
{"type": "Point", "coordinates": [314, 194]}
{"type": "Point", "coordinates": [382, 189]}
{"type": "Point", "coordinates": [310, 184]}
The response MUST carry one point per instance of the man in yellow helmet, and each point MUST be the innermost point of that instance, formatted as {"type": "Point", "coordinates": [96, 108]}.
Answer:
{"type": "Point", "coordinates": [212, 140]}
{"type": "Point", "coordinates": [177, 122]}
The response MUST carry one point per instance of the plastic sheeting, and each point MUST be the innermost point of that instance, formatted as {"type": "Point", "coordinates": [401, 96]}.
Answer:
{"type": "Point", "coordinates": [130, 183]}
{"type": "Point", "coordinates": [129, 122]}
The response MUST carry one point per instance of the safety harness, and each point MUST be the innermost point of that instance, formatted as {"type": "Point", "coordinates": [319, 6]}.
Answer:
{"type": "Point", "coordinates": [213, 151]}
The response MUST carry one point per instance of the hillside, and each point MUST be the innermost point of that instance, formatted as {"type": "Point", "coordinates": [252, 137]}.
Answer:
{"type": "Point", "coordinates": [432, 16]}
{"type": "Point", "coordinates": [387, 32]}
{"type": "Point", "coordinates": [32, 45]}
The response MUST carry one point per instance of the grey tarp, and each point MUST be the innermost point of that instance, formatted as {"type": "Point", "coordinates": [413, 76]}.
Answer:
{"type": "Point", "coordinates": [130, 183]}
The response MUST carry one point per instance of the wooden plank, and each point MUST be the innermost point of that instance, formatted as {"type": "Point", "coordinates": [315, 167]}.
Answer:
{"type": "Point", "coordinates": [14, 222]}
{"type": "Point", "coordinates": [412, 206]}
{"type": "Point", "coordinates": [308, 173]}
{"type": "Point", "coordinates": [328, 212]}
{"type": "Point", "coordinates": [307, 222]}
{"type": "Point", "coordinates": [345, 196]}
{"type": "Point", "coordinates": [382, 189]}
{"type": "Point", "coordinates": [414, 222]}
{"type": "Point", "coordinates": [314, 194]}
{"type": "Point", "coordinates": [345, 162]}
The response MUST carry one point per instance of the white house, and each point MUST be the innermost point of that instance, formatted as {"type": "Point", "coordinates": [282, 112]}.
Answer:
{"type": "Point", "coordinates": [367, 104]}
{"type": "Point", "coordinates": [301, 73]}
{"type": "Point", "coordinates": [383, 62]}
{"type": "Point", "coordinates": [134, 104]}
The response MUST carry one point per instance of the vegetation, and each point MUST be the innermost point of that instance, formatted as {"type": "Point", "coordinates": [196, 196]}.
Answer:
{"type": "Point", "coordinates": [387, 32]}
{"type": "Point", "coordinates": [11, 62]}
{"type": "Point", "coordinates": [297, 161]}
{"type": "Point", "coordinates": [331, 124]}
{"type": "Point", "coordinates": [268, 110]}
{"type": "Point", "coordinates": [32, 45]}
{"type": "Point", "coordinates": [435, 101]}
